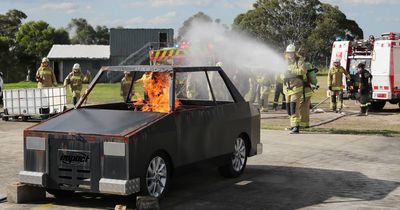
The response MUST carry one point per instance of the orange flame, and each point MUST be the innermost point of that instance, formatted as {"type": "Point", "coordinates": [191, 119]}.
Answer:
{"type": "Point", "coordinates": [156, 88]}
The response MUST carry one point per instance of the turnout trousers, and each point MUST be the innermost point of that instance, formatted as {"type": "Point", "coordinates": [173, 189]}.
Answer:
{"type": "Point", "coordinates": [336, 100]}
{"type": "Point", "coordinates": [293, 108]}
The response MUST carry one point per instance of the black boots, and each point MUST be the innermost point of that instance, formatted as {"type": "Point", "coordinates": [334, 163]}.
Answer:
{"type": "Point", "coordinates": [295, 130]}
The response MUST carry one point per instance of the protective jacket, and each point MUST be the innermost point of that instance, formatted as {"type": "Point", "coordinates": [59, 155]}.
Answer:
{"type": "Point", "coordinates": [125, 86]}
{"type": "Point", "coordinates": [294, 76]}
{"type": "Point", "coordinates": [335, 77]}
{"type": "Point", "coordinates": [45, 77]}
{"type": "Point", "coordinates": [75, 80]}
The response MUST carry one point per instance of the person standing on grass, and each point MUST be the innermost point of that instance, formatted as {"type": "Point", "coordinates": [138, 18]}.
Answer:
{"type": "Point", "coordinates": [75, 80]}
{"type": "Point", "coordinates": [364, 78]}
{"type": "Point", "coordinates": [45, 75]}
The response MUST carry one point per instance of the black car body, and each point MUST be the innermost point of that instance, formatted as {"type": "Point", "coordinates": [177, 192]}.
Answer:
{"type": "Point", "coordinates": [112, 148]}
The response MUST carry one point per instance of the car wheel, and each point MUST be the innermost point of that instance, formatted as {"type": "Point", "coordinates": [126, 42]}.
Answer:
{"type": "Point", "coordinates": [60, 193]}
{"type": "Point", "coordinates": [157, 176]}
{"type": "Point", "coordinates": [237, 164]}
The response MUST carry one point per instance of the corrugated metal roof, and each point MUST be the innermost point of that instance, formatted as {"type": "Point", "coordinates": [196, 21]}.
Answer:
{"type": "Point", "coordinates": [79, 51]}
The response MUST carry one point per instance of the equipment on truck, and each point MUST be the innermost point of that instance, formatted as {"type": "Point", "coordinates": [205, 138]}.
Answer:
{"type": "Point", "coordinates": [381, 58]}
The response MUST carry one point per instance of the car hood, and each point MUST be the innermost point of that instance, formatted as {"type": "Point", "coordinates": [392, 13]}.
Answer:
{"type": "Point", "coordinates": [98, 121]}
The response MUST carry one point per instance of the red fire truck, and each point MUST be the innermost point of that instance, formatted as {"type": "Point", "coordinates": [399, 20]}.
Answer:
{"type": "Point", "coordinates": [382, 59]}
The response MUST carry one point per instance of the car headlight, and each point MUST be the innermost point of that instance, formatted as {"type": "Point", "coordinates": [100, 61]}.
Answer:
{"type": "Point", "coordinates": [115, 160]}
{"type": "Point", "coordinates": [35, 154]}
{"type": "Point", "coordinates": [114, 149]}
{"type": "Point", "coordinates": [35, 143]}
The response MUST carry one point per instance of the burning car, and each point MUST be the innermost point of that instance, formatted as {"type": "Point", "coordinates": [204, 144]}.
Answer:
{"type": "Point", "coordinates": [172, 117]}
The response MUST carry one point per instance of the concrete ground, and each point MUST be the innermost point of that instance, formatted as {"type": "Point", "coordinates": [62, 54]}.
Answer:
{"type": "Point", "coordinates": [306, 171]}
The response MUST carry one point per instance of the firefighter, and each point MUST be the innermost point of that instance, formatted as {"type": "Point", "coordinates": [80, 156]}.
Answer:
{"type": "Point", "coordinates": [364, 78]}
{"type": "Point", "coordinates": [335, 77]}
{"type": "Point", "coordinates": [293, 82]}
{"type": "Point", "coordinates": [75, 79]}
{"type": "Point", "coordinates": [310, 83]}
{"type": "Point", "coordinates": [279, 91]}
{"type": "Point", "coordinates": [264, 84]}
{"type": "Point", "coordinates": [126, 82]}
{"type": "Point", "coordinates": [45, 75]}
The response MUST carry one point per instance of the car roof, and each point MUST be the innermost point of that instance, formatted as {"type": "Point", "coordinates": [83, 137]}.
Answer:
{"type": "Point", "coordinates": [164, 68]}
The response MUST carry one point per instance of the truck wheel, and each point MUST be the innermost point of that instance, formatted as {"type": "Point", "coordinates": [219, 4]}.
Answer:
{"type": "Point", "coordinates": [377, 105]}
{"type": "Point", "coordinates": [156, 178]}
{"type": "Point", "coordinates": [4, 118]}
{"type": "Point", "coordinates": [236, 166]}
{"type": "Point", "coordinates": [24, 118]}
{"type": "Point", "coordinates": [60, 193]}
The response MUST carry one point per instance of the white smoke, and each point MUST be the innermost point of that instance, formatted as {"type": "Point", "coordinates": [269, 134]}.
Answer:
{"type": "Point", "coordinates": [210, 43]}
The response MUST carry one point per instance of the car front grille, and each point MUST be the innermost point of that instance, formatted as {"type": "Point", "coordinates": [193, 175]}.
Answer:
{"type": "Point", "coordinates": [74, 164]}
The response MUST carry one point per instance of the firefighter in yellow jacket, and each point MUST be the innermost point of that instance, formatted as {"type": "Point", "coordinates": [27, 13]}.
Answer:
{"type": "Point", "coordinates": [126, 82]}
{"type": "Point", "coordinates": [310, 84]}
{"type": "Point", "coordinates": [45, 75]}
{"type": "Point", "coordinates": [75, 80]}
{"type": "Point", "coordinates": [335, 85]}
{"type": "Point", "coordinates": [293, 82]}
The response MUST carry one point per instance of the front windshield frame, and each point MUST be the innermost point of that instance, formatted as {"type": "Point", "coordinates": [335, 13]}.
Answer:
{"type": "Point", "coordinates": [171, 101]}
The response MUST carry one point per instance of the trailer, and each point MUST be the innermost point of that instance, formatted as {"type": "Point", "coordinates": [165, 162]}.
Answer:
{"type": "Point", "coordinates": [33, 103]}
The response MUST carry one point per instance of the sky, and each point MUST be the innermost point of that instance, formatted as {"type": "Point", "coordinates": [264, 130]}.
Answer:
{"type": "Point", "coordinates": [373, 16]}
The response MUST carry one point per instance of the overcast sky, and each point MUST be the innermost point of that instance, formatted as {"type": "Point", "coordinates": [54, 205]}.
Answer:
{"type": "Point", "coordinates": [373, 16]}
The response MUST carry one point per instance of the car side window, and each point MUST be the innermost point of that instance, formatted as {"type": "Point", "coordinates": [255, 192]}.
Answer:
{"type": "Point", "coordinates": [221, 92]}
{"type": "Point", "coordinates": [192, 86]}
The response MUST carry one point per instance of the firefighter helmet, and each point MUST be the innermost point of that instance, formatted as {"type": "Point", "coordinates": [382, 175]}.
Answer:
{"type": "Point", "coordinates": [126, 72]}
{"type": "Point", "coordinates": [361, 65]}
{"type": "Point", "coordinates": [76, 66]}
{"type": "Point", "coordinates": [291, 48]}
{"type": "Point", "coordinates": [45, 60]}
{"type": "Point", "coordinates": [337, 60]}
{"type": "Point", "coordinates": [220, 64]}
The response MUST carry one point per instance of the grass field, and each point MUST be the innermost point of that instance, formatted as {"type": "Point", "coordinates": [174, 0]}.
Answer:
{"type": "Point", "coordinates": [103, 92]}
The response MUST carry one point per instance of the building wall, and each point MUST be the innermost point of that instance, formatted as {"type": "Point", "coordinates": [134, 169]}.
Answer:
{"type": "Point", "coordinates": [124, 42]}
{"type": "Point", "coordinates": [65, 66]}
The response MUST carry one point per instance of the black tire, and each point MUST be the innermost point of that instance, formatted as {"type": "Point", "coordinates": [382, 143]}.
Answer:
{"type": "Point", "coordinates": [162, 178]}
{"type": "Point", "coordinates": [232, 169]}
{"type": "Point", "coordinates": [377, 105]}
{"type": "Point", "coordinates": [24, 118]}
{"type": "Point", "coordinates": [4, 118]}
{"type": "Point", "coordinates": [60, 193]}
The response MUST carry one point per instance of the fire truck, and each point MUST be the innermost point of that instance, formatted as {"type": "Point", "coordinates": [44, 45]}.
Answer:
{"type": "Point", "coordinates": [381, 57]}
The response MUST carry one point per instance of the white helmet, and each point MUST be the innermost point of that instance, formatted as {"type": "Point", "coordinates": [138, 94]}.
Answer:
{"type": "Point", "coordinates": [76, 66]}
{"type": "Point", "coordinates": [45, 60]}
{"type": "Point", "coordinates": [220, 64]}
{"type": "Point", "coordinates": [337, 60]}
{"type": "Point", "coordinates": [291, 48]}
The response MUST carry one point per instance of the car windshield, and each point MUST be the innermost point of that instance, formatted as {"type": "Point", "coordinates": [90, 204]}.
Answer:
{"type": "Point", "coordinates": [149, 91]}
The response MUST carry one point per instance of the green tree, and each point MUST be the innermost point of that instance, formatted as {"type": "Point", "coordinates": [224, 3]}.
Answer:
{"type": "Point", "coordinates": [198, 17]}
{"type": "Point", "coordinates": [9, 25]}
{"type": "Point", "coordinates": [309, 24]}
{"type": "Point", "coordinates": [84, 33]}
{"type": "Point", "coordinates": [61, 36]}
{"type": "Point", "coordinates": [35, 38]}
{"type": "Point", "coordinates": [331, 23]}
{"type": "Point", "coordinates": [279, 22]}
{"type": "Point", "coordinates": [102, 35]}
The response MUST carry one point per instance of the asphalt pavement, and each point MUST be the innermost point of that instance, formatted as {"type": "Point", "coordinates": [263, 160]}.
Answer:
{"type": "Point", "coordinates": [305, 171]}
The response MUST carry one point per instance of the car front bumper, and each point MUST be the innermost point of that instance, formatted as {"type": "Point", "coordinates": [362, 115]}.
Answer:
{"type": "Point", "coordinates": [106, 186]}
